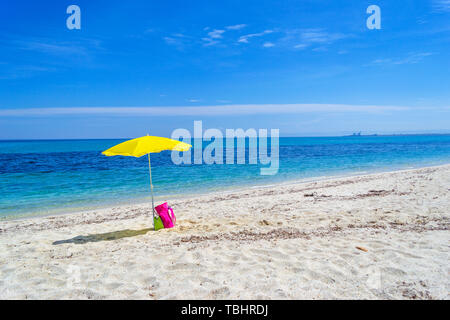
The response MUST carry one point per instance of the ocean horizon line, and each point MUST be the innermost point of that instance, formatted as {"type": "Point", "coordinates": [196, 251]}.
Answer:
{"type": "Point", "coordinates": [303, 136]}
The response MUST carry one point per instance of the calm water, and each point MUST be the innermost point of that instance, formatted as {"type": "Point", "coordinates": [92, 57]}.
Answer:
{"type": "Point", "coordinates": [43, 177]}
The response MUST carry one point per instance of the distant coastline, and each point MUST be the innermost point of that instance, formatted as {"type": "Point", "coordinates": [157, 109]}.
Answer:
{"type": "Point", "coordinates": [359, 134]}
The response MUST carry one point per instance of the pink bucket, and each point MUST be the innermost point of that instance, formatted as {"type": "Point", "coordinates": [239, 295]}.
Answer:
{"type": "Point", "coordinates": [168, 220]}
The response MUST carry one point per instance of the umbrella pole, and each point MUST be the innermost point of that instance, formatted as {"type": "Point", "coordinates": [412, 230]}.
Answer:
{"type": "Point", "coordinates": [151, 189]}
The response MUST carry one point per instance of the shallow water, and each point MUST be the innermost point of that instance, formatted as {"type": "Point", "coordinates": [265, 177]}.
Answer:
{"type": "Point", "coordinates": [44, 177]}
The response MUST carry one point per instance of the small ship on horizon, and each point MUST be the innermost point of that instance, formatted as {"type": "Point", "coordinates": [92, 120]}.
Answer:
{"type": "Point", "coordinates": [358, 134]}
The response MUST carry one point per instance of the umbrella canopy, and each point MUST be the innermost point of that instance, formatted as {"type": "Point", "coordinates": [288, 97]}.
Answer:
{"type": "Point", "coordinates": [144, 146]}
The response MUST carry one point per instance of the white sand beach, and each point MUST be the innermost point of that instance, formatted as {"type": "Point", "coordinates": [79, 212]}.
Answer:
{"type": "Point", "coordinates": [291, 241]}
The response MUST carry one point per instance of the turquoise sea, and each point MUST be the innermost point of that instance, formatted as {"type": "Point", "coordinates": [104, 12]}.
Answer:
{"type": "Point", "coordinates": [55, 176]}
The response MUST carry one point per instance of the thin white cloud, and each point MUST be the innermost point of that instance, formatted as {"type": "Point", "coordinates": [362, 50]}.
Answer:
{"type": "Point", "coordinates": [216, 34]}
{"type": "Point", "coordinates": [209, 42]}
{"type": "Point", "coordinates": [412, 58]}
{"type": "Point", "coordinates": [170, 40]}
{"type": "Point", "coordinates": [178, 40]}
{"type": "Point", "coordinates": [301, 46]}
{"type": "Point", "coordinates": [244, 39]}
{"type": "Point", "coordinates": [53, 48]}
{"type": "Point", "coordinates": [216, 110]}
{"type": "Point", "coordinates": [441, 5]}
{"type": "Point", "coordinates": [236, 27]}
{"type": "Point", "coordinates": [309, 37]}
{"type": "Point", "coordinates": [179, 35]}
{"type": "Point", "coordinates": [213, 37]}
{"type": "Point", "coordinates": [25, 71]}
{"type": "Point", "coordinates": [58, 55]}
{"type": "Point", "coordinates": [317, 38]}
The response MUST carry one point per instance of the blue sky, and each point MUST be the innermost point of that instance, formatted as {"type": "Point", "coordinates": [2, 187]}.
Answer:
{"type": "Point", "coordinates": [304, 67]}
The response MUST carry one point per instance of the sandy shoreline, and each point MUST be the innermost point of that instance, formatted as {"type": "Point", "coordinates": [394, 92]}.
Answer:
{"type": "Point", "coordinates": [289, 241]}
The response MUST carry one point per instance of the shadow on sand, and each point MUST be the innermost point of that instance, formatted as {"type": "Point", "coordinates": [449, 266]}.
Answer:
{"type": "Point", "coordinates": [104, 236]}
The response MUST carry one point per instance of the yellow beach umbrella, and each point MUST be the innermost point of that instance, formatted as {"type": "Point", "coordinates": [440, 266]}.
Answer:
{"type": "Point", "coordinates": [144, 146]}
